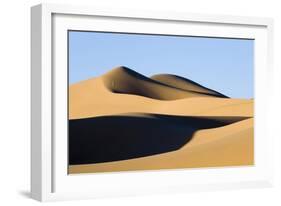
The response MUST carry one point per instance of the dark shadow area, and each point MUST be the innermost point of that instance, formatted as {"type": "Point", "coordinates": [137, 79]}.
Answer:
{"type": "Point", "coordinates": [112, 138]}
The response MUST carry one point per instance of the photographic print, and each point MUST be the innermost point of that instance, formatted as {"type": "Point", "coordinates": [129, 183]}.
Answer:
{"type": "Point", "coordinates": [151, 102]}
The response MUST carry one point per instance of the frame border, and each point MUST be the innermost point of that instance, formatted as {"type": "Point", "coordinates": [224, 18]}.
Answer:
{"type": "Point", "coordinates": [42, 85]}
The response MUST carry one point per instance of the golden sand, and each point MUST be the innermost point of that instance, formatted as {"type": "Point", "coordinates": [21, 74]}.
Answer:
{"type": "Point", "coordinates": [119, 92]}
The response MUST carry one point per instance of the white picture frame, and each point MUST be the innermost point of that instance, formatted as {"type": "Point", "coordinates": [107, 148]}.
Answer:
{"type": "Point", "coordinates": [49, 178]}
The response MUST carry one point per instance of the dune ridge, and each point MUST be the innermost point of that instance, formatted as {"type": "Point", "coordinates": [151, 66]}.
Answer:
{"type": "Point", "coordinates": [185, 84]}
{"type": "Point", "coordinates": [92, 97]}
{"type": "Point", "coordinates": [126, 81]}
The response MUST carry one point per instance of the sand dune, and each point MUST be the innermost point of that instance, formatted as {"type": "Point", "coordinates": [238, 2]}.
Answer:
{"type": "Point", "coordinates": [184, 84]}
{"type": "Point", "coordinates": [123, 120]}
{"type": "Point", "coordinates": [134, 135]}
{"type": "Point", "coordinates": [126, 81]}
{"type": "Point", "coordinates": [92, 98]}
{"type": "Point", "coordinates": [231, 145]}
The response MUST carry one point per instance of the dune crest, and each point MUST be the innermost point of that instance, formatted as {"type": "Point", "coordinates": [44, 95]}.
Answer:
{"type": "Point", "coordinates": [126, 81]}
{"type": "Point", "coordinates": [185, 84]}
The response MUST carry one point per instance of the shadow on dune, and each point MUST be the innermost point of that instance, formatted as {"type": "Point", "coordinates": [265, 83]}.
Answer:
{"type": "Point", "coordinates": [121, 137]}
{"type": "Point", "coordinates": [123, 80]}
{"type": "Point", "coordinates": [185, 84]}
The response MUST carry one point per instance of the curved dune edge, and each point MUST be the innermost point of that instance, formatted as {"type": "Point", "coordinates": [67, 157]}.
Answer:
{"type": "Point", "coordinates": [134, 135]}
{"type": "Point", "coordinates": [231, 145]}
{"type": "Point", "coordinates": [127, 81]}
{"type": "Point", "coordinates": [185, 84]}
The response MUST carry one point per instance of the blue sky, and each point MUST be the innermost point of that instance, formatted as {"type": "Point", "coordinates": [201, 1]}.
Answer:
{"type": "Point", "coordinates": [225, 65]}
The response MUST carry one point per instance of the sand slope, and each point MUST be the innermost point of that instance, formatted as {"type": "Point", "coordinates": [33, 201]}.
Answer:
{"type": "Point", "coordinates": [123, 120]}
{"type": "Point", "coordinates": [126, 136]}
{"type": "Point", "coordinates": [123, 80]}
{"type": "Point", "coordinates": [92, 97]}
{"type": "Point", "coordinates": [230, 145]}
{"type": "Point", "coordinates": [185, 84]}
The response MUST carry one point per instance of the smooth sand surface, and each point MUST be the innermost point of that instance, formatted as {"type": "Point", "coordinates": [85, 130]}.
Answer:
{"type": "Point", "coordinates": [162, 122]}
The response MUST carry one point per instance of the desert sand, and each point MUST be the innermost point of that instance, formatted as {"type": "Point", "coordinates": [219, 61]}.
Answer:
{"type": "Point", "coordinates": [124, 121]}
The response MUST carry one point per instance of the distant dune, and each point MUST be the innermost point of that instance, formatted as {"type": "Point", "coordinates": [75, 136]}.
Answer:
{"type": "Point", "coordinates": [123, 90]}
{"type": "Point", "coordinates": [126, 81]}
{"type": "Point", "coordinates": [123, 120]}
{"type": "Point", "coordinates": [185, 84]}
